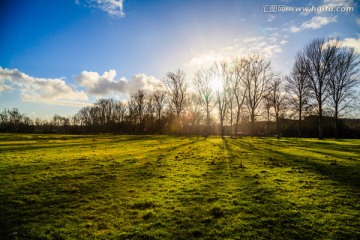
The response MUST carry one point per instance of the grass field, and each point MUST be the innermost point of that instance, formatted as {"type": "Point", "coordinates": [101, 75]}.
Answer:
{"type": "Point", "coordinates": [161, 187]}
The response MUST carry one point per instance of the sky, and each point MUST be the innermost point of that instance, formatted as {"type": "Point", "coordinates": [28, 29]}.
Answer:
{"type": "Point", "coordinates": [58, 56]}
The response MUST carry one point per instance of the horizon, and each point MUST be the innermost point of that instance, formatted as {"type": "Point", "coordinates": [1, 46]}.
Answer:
{"type": "Point", "coordinates": [59, 56]}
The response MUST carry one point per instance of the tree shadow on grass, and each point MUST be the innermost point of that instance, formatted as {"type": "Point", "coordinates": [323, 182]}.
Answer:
{"type": "Point", "coordinates": [44, 201]}
{"type": "Point", "coordinates": [51, 142]}
{"type": "Point", "coordinates": [174, 146]}
{"type": "Point", "coordinates": [295, 224]}
{"type": "Point", "coordinates": [335, 148]}
{"type": "Point", "coordinates": [249, 208]}
{"type": "Point", "coordinates": [343, 174]}
{"type": "Point", "coordinates": [51, 200]}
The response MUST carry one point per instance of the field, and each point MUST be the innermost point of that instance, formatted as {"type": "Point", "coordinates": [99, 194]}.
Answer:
{"type": "Point", "coordinates": [161, 187]}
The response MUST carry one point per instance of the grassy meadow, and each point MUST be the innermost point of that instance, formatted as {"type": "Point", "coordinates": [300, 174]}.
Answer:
{"type": "Point", "coordinates": [162, 187]}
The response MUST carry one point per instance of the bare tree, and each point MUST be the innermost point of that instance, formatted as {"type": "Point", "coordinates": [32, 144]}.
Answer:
{"type": "Point", "coordinates": [15, 118]}
{"type": "Point", "coordinates": [176, 87]}
{"type": "Point", "coordinates": [267, 106]}
{"type": "Point", "coordinates": [256, 78]}
{"type": "Point", "coordinates": [150, 114]}
{"type": "Point", "coordinates": [85, 116]}
{"type": "Point", "coordinates": [298, 89]}
{"type": "Point", "coordinates": [139, 98]}
{"type": "Point", "coordinates": [140, 103]}
{"type": "Point", "coordinates": [95, 114]}
{"type": "Point", "coordinates": [205, 93]}
{"type": "Point", "coordinates": [75, 120]}
{"type": "Point", "coordinates": [231, 104]}
{"type": "Point", "coordinates": [193, 115]}
{"type": "Point", "coordinates": [103, 112]}
{"type": "Point", "coordinates": [11, 120]}
{"type": "Point", "coordinates": [278, 100]}
{"type": "Point", "coordinates": [343, 82]}
{"type": "Point", "coordinates": [102, 107]}
{"type": "Point", "coordinates": [222, 73]}
{"type": "Point", "coordinates": [119, 112]}
{"type": "Point", "coordinates": [238, 89]}
{"type": "Point", "coordinates": [319, 57]}
{"type": "Point", "coordinates": [132, 116]}
{"type": "Point", "coordinates": [56, 120]}
{"type": "Point", "coordinates": [159, 104]}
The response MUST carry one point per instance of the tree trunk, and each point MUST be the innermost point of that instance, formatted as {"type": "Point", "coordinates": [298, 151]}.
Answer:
{"type": "Point", "coordinates": [336, 121]}
{"type": "Point", "coordinates": [237, 121]}
{"type": "Point", "coordinates": [159, 122]}
{"type": "Point", "coordinates": [277, 125]}
{"type": "Point", "coordinates": [180, 130]}
{"type": "Point", "coordinates": [268, 121]}
{"type": "Point", "coordinates": [222, 127]}
{"type": "Point", "coordinates": [231, 120]}
{"type": "Point", "coordinates": [299, 124]}
{"type": "Point", "coordinates": [320, 122]}
{"type": "Point", "coordinates": [207, 123]}
{"type": "Point", "coordinates": [252, 120]}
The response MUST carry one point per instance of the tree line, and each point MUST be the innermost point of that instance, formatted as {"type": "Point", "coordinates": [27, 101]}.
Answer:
{"type": "Point", "coordinates": [235, 97]}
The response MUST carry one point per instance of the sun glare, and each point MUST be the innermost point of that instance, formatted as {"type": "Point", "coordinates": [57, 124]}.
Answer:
{"type": "Point", "coordinates": [215, 84]}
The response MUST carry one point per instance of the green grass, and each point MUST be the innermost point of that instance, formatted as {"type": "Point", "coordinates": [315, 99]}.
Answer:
{"type": "Point", "coordinates": [161, 187]}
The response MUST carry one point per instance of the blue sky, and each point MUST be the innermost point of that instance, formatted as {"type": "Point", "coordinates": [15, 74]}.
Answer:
{"type": "Point", "coordinates": [56, 56]}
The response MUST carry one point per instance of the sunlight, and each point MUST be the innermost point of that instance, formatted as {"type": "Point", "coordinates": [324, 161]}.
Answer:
{"type": "Point", "coordinates": [216, 84]}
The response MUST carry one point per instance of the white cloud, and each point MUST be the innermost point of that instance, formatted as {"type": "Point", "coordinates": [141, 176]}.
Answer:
{"type": "Point", "coordinates": [205, 59]}
{"type": "Point", "coordinates": [314, 23]}
{"type": "Point", "coordinates": [271, 18]}
{"type": "Point", "coordinates": [352, 42]}
{"type": "Point", "coordinates": [358, 21]}
{"type": "Point", "coordinates": [347, 42]}
{"type": "Point", "coordinates": [252, 39]}
{"type": "Point", "coordinates": [112, 7]}
{"type": "Point", "coordinates": [46, 90]}
{"type": "Point", "coordinates": [271, 29]}
{"type": "Point", "coordinates": [147, 83]}
{"type": "Point", "coordinates": [102, 85]}
{"type": "Point", "coordinates": [338, 3]}
{"type": "Point", "coordinates": [3, 86]}
{"type": "Point", "coordinates": [271, 50]}
{"type": "Point", "coordinates": [294, 29]}
{"type": "Point", "coordinates": [268, 46]}
{"type": "Point", "coordinates": [305, 13]}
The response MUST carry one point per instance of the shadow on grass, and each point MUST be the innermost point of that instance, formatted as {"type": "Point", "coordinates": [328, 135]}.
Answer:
{"type": "Point", "coordinates": [334, 148]}
{"type": "Point", "coordinates": [29, 197]}
{"type": "Point", "coordinates": [246, 206]}
{"type": "Point", "coordinates": [21, 143]}
{"type": "Point", "coordinates": [46, 200]}
{"type": "Point", "coordinates": [224, 202]}
{"type": "Point", "coordinates": [285, 216]}
{"type": "Point", "coordinates": [343, 174]}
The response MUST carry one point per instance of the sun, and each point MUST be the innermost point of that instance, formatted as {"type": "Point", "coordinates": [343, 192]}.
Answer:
{"type": "Point", "coordinates": [215, 84]}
